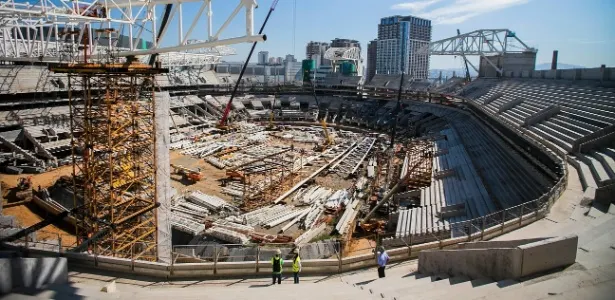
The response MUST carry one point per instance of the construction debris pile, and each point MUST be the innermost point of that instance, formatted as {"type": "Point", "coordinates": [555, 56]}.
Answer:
{"type": "Point", "coordinates": [190, 211]}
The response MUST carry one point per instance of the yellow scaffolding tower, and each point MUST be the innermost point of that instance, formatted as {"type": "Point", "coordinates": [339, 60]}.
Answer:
{"type": "Point", "coordinates": [114, 165]}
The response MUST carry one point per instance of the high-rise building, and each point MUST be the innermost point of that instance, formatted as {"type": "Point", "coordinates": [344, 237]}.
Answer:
{"type": "Point", "coordinates": [316, 51]}
{"type": "Point", "coordinates": [372, 53]}
{"type": "Point", "coordinates": [272, 61]}
{"type": "Point", "coordinates": [399, 39]}
{"type": "Point", "coordinates": [345, 43]}
{"type": "Point", "coordinates": [263, 57]}
{"type": "Point", "coordinates": [289, 58]}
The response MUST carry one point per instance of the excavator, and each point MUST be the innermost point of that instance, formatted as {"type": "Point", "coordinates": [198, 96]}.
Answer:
{"type": "Point", "coordinates": [234, 175]}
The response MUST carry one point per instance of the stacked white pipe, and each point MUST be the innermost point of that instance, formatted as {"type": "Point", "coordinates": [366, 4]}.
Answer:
{"type": "Point", "coordinates": [208, 201]}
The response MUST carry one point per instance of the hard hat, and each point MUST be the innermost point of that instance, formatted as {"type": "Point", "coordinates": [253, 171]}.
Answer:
{"type": "Point", "coordinates": [277, 251]}
{"type": "Point", "coordinates": [296, 251]}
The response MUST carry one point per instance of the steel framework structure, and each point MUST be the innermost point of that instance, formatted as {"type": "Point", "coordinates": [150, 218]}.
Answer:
{"type": "Point", "coordinates": [482, 42]}
{"type": "Point", "coordinates": [42, 30]}
{"type": "Point", "coordinates": [114, 167]}
{"type": "Point", "coordinates": [335, 54]}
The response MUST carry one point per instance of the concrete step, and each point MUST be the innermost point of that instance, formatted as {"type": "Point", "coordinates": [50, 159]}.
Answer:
{"type": "Point", "coordinates": [554, 132]}
{"type": "Point", "coordinates": [585, 174]}
{"type": "Point", "coordinates": [556, 284]}
{"type": "Point", "coordinates": [566, 130]}
{"type": "Point", "coordinates": [600, 174]}
{"type": "Point", "coordinates": [464, 290]}
{"type": "Point", "coordinates": [599, 120]}
{"type": "Point", "coordinates": [608, 161]}
{"type": "Point", "coordinates": [567, 124]}
{"type": "Point", "coordinates": [566, 117]}
{"type": "Point", "coordinates": [441, 287]}
{"type": "Point", "coordinates": [387, 285]}
{"type": "Point", "coordinates": [563, 144]}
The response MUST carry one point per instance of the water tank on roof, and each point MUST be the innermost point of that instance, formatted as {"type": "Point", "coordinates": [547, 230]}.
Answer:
{"type": "Point", "coordinates": [348, 68]}
{"type": "Point", "coordinates": [308, 66]}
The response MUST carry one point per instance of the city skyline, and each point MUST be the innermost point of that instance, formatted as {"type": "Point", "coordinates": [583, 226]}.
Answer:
{"type": "Point", "coordinates": [540, 23]}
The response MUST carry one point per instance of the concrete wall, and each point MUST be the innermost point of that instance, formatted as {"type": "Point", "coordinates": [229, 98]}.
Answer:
{"type": "Point", "coordinates": [6, 283]}
{"type": "Point", "coordinates": [497, 244]}
{"type": "Point", "coordinates": [595, 74]}
{"type": "Point", "coordinates": [495, 263]}
{"type": "Point", "coordinates": [591, 74]}
{"type": "Point", "coordinates": [32, 273]}
{"type": "Point", "coordinates": [507, 261]}
{"type": "Point", "coordinates": [548, 254]}
{"type": "Point", "coordinates": [163, 175]}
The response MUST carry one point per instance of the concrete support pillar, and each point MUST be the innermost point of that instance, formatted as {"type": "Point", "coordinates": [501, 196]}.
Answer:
{"type": "Point", "coordinates": [163, 175]}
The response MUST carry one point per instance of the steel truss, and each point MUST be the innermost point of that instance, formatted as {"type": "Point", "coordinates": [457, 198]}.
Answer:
{"type": "Point", "coordinates": [41, 30]}
{"type": "Point", "coordinates": [482, 42]}
{"type": "Point", "coordinates": [112, 118]}
{"type": "Point", "coordinates": [336, 54]}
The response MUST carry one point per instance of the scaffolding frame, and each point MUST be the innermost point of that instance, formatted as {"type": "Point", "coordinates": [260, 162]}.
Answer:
{"type": "Point", "coordinates": [112, 114]}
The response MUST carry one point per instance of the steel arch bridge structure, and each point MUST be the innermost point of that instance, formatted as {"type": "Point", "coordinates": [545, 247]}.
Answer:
{"type": "Point", "coordinates": [481, 42]}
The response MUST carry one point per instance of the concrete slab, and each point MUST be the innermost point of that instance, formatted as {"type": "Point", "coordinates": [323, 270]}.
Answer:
{"type": "Point", "coordinates": [37, 273]}
{"type": "Point", "coordinates": [6, 282]}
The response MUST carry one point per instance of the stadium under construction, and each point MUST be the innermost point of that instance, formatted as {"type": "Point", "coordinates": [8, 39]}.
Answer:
{"type": "Point", "coordinates": [123, 153]}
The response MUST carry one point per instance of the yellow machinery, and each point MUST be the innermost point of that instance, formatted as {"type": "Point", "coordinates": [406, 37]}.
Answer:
{"type": "Point", "coordinates": [271, 126]}
{"type": "Point", "coordinates": [328, 139]}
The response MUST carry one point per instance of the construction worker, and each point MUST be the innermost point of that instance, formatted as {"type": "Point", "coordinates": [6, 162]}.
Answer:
{"type": "Point", "coordinates": [383, 259]}
{"type": "Point", "coordinates": [296, 266]}
{"type": "Point", "coordinates": [276, 263]}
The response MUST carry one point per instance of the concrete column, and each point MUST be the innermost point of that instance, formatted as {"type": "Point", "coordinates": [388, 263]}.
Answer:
{"type": "Point", "coordinates": [162, 102]}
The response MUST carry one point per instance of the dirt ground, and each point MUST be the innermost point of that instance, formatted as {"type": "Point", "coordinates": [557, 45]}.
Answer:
{"type": "Point", "coordinates": [360, 246]}
{"type": "Point", "coordinates": [28, 214]}
{"type": "Point", "coordinates": [44, 180]}
{"type": "Point", "coordinates": [209, 185]}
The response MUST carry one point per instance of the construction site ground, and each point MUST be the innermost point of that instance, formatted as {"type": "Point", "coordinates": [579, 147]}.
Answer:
{"type": "Point", "coordinates": [211, 184]}
{"type": "Point", "coordinates": [28, 214]}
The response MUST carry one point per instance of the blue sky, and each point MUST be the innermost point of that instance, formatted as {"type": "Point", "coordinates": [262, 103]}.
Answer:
{"type": "Point", "coordinates": [582, 30]}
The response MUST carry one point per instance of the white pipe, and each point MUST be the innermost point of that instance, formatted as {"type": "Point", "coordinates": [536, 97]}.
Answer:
{"type": "Point", "coordinates": [298, 185]}
{"type": "Point", "coordinates": [285, 218]}
{"type": "Point", "coordinates": [245, 39]}
{"type": "Point", "coordinates": [295, 220]}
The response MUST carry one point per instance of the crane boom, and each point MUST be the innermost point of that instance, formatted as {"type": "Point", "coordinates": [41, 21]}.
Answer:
{"type": "Point", "coordinates": [227, 110]}
{"type": "Point", "coordinates": [465, 61]}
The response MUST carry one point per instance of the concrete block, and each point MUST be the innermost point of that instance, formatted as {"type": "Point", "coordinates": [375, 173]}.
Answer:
{"type": "Point", "coordinates": [109, 288]}
{"type": "Point", "coordinates": [6, 282]}
{"type": "Point", "coordinates": [548, 254]}
{"type": "Point", "coordinates": [498, 244]}
{"type": "Point", "coordinates": [37, 273]}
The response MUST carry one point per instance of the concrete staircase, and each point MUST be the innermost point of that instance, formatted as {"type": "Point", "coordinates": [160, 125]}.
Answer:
{"type": "Point", "coordinates": [417, 286]}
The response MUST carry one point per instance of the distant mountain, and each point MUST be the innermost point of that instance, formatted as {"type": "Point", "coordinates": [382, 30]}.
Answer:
{"type": "Point", "coordinates": [561, 66]}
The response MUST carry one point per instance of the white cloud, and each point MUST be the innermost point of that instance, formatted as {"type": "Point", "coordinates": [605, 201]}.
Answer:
{"type": "Point", "coordinates": [415, 6]}
{"type": "Point", "coordinates": [457, 11]}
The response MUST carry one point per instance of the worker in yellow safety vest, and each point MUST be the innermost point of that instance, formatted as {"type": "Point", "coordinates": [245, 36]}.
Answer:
{"type": "Point", "coordinates": [296, 266]}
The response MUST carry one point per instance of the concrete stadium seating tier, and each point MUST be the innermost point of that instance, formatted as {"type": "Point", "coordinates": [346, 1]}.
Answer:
{"type": "Point", "coordinates": [577, 118]}
{"type": "Point", "coordinates": [392, 82]}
